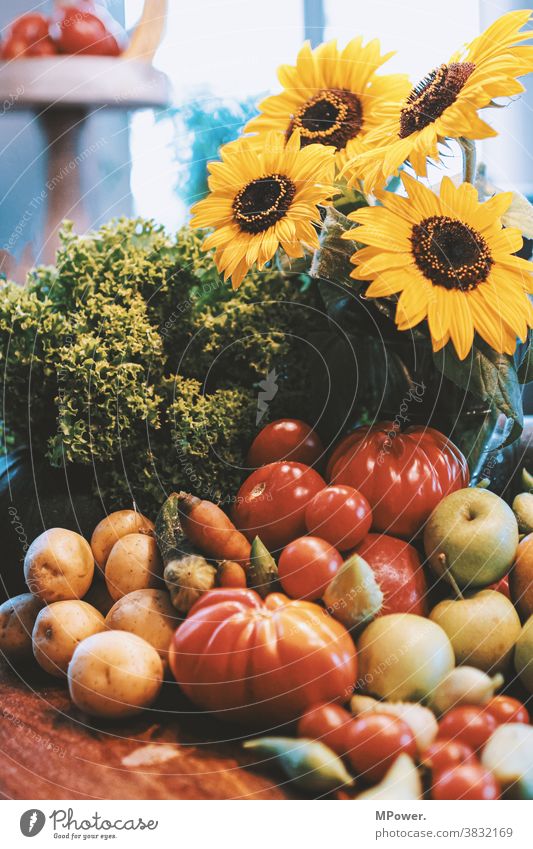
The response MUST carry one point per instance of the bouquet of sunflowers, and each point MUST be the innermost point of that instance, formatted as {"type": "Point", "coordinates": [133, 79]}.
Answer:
{"type": "Point", "coordinates": [424, 286]}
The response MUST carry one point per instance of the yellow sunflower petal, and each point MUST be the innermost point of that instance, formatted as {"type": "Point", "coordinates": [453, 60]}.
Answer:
{"type": "Point", "coordinates": [346, 81]}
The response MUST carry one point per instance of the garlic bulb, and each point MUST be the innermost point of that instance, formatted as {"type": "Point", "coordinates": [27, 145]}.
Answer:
{"type": "Point", "coordinates": [464, 685]}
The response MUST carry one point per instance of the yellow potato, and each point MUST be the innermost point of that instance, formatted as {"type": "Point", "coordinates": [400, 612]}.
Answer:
{"type": "Point", "coordinates": [133, 564]}
{"type": "Point", "coordinates": [114, 527]}
{"type": "Point", "coordinates": [59, 565]}
{"type": "Point", "coordinates": [59, 629]}
{"type": "Point", "coordinates": [17, 617]}
{"type": "Point", "coordinates": [114, 674]}
{"type": "Point", "coordinates": [150, 615]}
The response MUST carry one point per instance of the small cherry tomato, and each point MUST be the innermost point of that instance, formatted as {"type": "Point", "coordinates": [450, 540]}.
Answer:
{"type": "Point", "coordinates": [444, 754]}
{"type": "Point", "coordinates": [470, 724]}
{"type": "Point", "coordinates": [340, 515]}
{"type": "Point", "coordinates": [506, 709]}
{"type": "Point", "coordinates": [286, 439]}
{"type": "Point", "coordinates": [467, 781]}
{"type": "Point", "coordinates": [330, 724]}
{"type": "Point", "coordinates": [272, 500]}
{"type": "Point", "coordinates": [376, 740]}
{"type": "Point", "coordinates": [306, 566]}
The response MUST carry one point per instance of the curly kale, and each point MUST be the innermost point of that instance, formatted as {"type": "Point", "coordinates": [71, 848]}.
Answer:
{"type": "Point", "coordinates": [133, 356]}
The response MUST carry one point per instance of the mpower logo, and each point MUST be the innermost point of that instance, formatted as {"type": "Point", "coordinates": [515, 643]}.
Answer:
{"type": "Point", "coordinates": [32, 822]}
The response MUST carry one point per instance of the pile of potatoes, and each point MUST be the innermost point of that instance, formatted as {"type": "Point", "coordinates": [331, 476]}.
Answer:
{"type": "Point", "coordinates": [108, 637]}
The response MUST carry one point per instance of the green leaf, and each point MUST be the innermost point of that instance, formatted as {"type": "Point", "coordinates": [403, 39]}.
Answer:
{"type": "Point", "coordinates": [339, 291]}
{"type": "Point", "coordinates": [524, 362]}
{"type": "Point", "coordinates": [490, 376]}
{"type": "Point", "coordinates": [263, 571]}
{"type": "Point", "coordinates": [332, 260]}
{"type": "Point", "coordinates": [308, 763]}
{"type": "Point", "coordinates": [520, 214]}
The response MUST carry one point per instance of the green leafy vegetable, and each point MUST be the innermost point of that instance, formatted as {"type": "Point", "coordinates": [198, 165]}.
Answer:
{"type": "Point", "coordinates": [132, 357]}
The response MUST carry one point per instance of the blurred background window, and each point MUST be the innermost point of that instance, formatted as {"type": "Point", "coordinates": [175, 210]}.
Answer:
{"type": "Point", "coordinates": [221, 57]}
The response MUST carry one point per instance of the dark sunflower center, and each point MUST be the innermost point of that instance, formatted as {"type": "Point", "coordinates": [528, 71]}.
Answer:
{"type": "Point", "coordinates": [331, 117]}
{"type": "Point", "coordinates": [450, 253]}
{"type": "Point", "coordinates": [262, 202]}
{"type": "Point", "coordinates": [428, 100]}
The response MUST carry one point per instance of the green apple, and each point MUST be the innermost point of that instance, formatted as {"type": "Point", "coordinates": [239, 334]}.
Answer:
{"type": "Point", "coordinates": [483, 629]}
{"type": "Point", "coordinates": [403, 657]}
{"type": "Point", "coordinates": [523, 655]}
{"type": "Point", "coordinates": [471, 538]}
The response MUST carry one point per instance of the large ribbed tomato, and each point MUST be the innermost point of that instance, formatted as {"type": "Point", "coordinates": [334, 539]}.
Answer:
{"type": "Point", "coordinates": [403, 475]}
{"type": "Point", "coordinates": [242, 658]}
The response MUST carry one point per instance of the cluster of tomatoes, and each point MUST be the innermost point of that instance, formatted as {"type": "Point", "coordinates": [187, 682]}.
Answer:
{"type": "Point", "coordinates": [82, 27]}
{"type": "Point", "coordinates": [371, 742]}
{"type": "Point", "coordinates": [315, 526]}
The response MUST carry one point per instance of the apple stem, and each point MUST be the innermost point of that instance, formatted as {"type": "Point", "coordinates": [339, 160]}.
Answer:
{"type": "Point", "coordinates": [453, 582]}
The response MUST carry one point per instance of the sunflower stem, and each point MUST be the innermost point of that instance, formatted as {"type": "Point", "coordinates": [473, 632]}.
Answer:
{"type": "Point", "coordinates": [468, 150]}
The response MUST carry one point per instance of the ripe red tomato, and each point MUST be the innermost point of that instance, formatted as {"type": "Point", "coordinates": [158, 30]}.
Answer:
{"type": "Point", "coordinates": [330, 724]}
{"type": "Point", "coordinates": [398, 571]}
{"type": "Point", "coordinates": [248, 660]}
{"type": "Point", "coordinates": [467, 781]}
{"type": "Point", "coordinates": [376, 740]}
{"type": "Point", "coordinates": [285, 439]}
{"type": "Point", "coordinates": [272, 500]}
{"type": "Point", "coordinates": [443, 754]}
{"type": "Point", "coordinates": [28, 36]}
{"type": "Point", "coordinates": [87, 31]}
{"type": "Point", "coordinates": [471, 724]}
{"type": "Point", "coordinates": [340, 515]}
{"type": "Point", "coordinates": [31, 27]}
{"type": "Point", "coordinates": [17, 48]}
{"type": "Point", "coordinates": [506, 709]}
{"type": "Point", "coordinates": [403, 475]}
{"type": "Point", "coordinates": [306, 567]}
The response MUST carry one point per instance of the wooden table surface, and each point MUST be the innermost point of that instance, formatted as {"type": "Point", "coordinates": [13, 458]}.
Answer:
{"type": "Point", "coordinates": [50, 750]}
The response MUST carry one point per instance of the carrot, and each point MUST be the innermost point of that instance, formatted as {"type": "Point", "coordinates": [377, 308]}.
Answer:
{"type": "Point", "coordinates": [207, 527]}
{"type": "Point", "coordinates": [231, 574]}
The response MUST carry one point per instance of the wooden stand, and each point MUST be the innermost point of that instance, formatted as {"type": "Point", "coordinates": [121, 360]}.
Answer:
{"type": "Point", "coordinates": [50, 750]}
{"type": "Point", "coordinates": [63, 91]}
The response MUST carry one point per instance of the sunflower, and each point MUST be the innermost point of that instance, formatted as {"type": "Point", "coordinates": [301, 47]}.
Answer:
{"type": "Point", "coordinates": [445, 104]}
{"type": "Point", "coordinates": [261, 198]}
{"type": "Point", "coordinates": [450, 260]}
{"type": "Point", "coordinates": [332, 96]}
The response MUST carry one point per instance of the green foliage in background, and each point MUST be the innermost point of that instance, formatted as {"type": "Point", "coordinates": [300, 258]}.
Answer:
{"type": "Point", "coordinates": [133, 357]}
{"type": "Point", "coordinates": [201, 127]}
